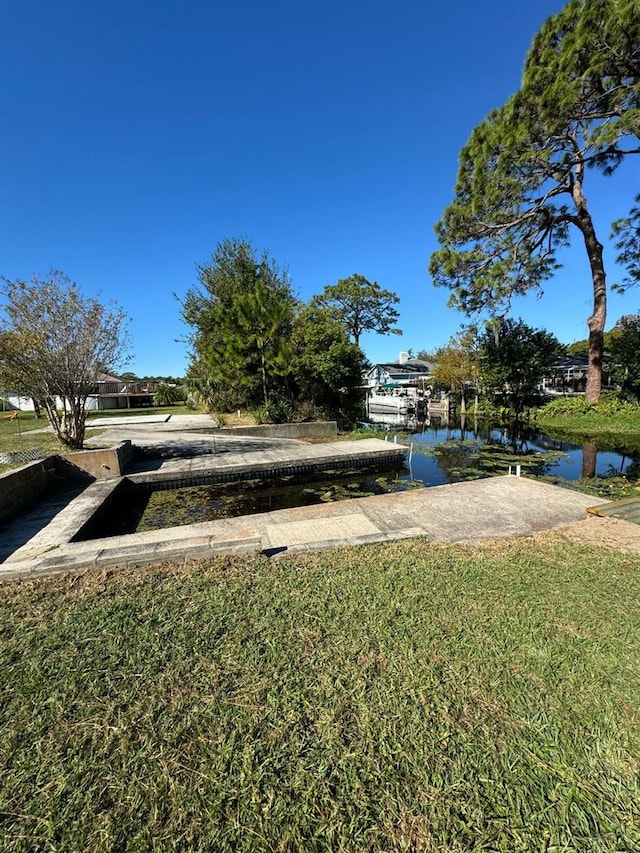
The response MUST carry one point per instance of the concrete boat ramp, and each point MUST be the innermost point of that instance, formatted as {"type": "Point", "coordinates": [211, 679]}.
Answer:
{"type": "Point", "coordinates": [491, 508]}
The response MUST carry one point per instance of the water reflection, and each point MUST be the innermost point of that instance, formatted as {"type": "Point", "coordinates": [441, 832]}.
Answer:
{"type": "Point", "coordinates": [589, 459]}
{"type": "Point", "coordinates": [446, 450]}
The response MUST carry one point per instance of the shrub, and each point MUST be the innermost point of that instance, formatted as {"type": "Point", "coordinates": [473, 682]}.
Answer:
{"type": "Point", "coordinates": [167, 395]}
{"type": "Point", "coordinates": [275, 412]}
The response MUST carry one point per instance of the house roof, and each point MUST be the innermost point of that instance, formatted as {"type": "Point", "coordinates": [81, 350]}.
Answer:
{"type": "Point", "coordinates": [108, 377]}
{"type": "Point", "coordinates": [565, 362]}
{"type": "Point", "coordinates": [411, 367]}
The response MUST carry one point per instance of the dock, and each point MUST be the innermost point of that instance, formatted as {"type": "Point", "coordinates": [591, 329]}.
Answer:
{"type": "Point", "coordinates": [627, 509]}
{"type": "Point", "coordinates": [469, 512]}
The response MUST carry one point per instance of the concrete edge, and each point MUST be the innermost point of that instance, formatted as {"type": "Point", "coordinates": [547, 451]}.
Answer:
{"type": "Point", "coordinates": [128, 556]}
{"type": "Point", "coordinates": [348, 541]}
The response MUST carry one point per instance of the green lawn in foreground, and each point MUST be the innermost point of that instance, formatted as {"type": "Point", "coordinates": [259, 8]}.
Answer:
{"type": "Point", "coordinates": [385, 698]}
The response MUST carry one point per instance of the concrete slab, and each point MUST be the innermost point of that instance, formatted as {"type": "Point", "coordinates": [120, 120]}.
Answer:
{"type": "Point", "coordinates": [258, 456]}
{"type": "Point", "coordinates": [126, 420]}
{"type": "Point", "coordinates": [306, 531]}
{"type": "Point", "coordinates": [493, 508]}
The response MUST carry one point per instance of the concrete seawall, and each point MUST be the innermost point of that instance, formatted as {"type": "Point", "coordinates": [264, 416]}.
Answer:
{"type": "Point", "coordinates": [20, 488]}
{"type": "Point", "coordinates": [80, 516]}
{"type": "Point", "coordinates": [24, 486]}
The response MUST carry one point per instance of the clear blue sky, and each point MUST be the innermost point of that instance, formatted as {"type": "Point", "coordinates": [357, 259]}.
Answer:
{"type": "Point", "coordinates": [136, 135]}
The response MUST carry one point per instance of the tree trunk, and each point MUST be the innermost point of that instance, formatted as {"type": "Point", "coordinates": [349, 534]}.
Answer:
{"type": "Point", "coordinates": [596, 321]}
{"type": "Point", "coordinates": [263, 367]}
{"type": "Point", "coordinates": [69, 426]}
{"type": "Point", "coordinates": [589, 455]}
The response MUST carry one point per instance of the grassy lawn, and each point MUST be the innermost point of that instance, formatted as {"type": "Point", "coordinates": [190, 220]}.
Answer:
{"type": "Point", "coordinates": [399, 697]}
{"type": "Point", "coordinates": [16, 435]}
{"type": "Point", "coordinates": [575, 417]}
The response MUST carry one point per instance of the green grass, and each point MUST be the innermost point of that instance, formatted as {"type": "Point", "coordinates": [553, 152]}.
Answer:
{"type": "Point", "coordinates": [18, 435]}
{"type": "Point", "coordinates": [364, 432]}
{"type": "Point", "coordinates": [399, 697]}
{"type": "Point", "coordinates": [573, 416]}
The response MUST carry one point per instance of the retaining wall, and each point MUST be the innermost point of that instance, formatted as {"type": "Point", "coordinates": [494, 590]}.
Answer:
{"type": "Point", "coordinates": [103, 464]}
{"type": "Point", "coordinates": [21, 487]}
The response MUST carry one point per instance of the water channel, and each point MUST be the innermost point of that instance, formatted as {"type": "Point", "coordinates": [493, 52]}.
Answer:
{"type": "Point", "coordinates": [449, 452]}
{"type": "Point", "coordinates": [438, 453]}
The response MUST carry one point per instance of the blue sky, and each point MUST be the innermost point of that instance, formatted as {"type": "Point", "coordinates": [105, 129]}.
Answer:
{"type": "Point", "coordinates": [137, 135]}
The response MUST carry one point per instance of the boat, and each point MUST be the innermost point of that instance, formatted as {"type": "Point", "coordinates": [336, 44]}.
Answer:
{"type": "Point", "coordinates": [395, 402]}
{"type": "Point", "coordinates": [390, 403]}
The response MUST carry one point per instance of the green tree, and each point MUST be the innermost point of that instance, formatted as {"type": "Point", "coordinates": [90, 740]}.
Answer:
{"type": "Point", "coordinates": [582, 347]}
{"type": "Point", "coordinates": [240, 315]}
{"type": "Point", "coordinates": [326, 367]}
{"type": "Point", "coordinates": [427, 355]}
{"type": "Point", "coordinates": [624, 353]}
{"type": "Point", "coordinates": [455, 363]}
{"type": "Point", "coordinates": [167, 395]}
{"type": "Point", "coordinates": [54, 343]}
{"type": "Point", "coordinates": [363, 306]}
{"type": "Point", "coordinates": [263, 325]}
{"type": "Point", "coordinates": [520, 186]}
{"type": "Point", "coordinates": [627, 236]}
{"type": "Point", "coordinates": [201, 391]}
{"type": "Point", "coordinates": [513, 359]}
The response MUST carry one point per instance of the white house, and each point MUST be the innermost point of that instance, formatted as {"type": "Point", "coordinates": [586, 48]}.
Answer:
{"type": "Point", "coordinates": [110, 392]}
{"type": "Point", "coordinates": [405, 371]}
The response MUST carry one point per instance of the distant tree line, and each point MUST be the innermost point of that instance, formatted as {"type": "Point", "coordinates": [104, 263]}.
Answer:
{"type": "Point", "coordinates": [506, 360]}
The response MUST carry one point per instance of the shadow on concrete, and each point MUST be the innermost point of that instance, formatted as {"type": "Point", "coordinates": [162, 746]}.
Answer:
{"type": "Point", "coordinates": [273, 552]}
{"type": "Point", "coordinates": [151, 457]}
{"type": "Point", "coordinates": [16, 532]}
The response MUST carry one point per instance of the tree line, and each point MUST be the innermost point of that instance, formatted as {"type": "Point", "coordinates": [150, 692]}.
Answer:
{"type": "Point", "coordinates": [507, 360]}
{"type": "Point", "coordinates": [253, 344]}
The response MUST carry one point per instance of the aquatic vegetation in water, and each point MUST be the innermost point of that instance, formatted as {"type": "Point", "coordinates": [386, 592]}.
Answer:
{"type": "Point", "coordinates": [153, 510]}
{"type": "Point", "coordinates": [470, 459]}
{"type": "Point", "coordinates": [614, 488]}
{"type": "Point", "coordinates": [346, 491]}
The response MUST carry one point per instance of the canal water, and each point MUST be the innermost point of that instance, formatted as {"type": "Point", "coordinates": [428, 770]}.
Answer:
{"type": "Point", "coordinates": [451, 452]}
{"type": "Point", "coordinates": [437, 453]}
